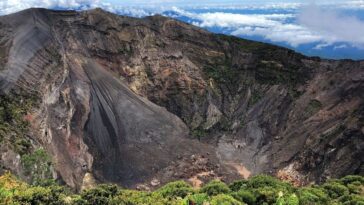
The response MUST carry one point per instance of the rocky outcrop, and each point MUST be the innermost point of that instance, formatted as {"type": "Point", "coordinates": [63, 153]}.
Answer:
{"type": "Point", "coordinates": [133, 101]}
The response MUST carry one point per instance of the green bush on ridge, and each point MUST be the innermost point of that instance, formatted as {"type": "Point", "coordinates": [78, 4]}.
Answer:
{"type": "Point", "coordinates": [176, 189]}
{"type": "Point", "coordinates": [258, 190]}
{"type": "Point", "coordinates": [245, 196]}
{"type": "Point", "coordinates": [214, 188]}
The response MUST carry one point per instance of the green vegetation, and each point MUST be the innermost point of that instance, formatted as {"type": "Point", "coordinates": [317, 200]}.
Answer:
{"type": "Point", "coordinates": [13, 126]}
{"type": "Point", "coordinates": [255, 97]}
{"type": "Point", "coordinates": [12, 111]}
{"type": "Point", "coordinates": [199, 133]}
{"type": "Point", "coordinates": [247, 45]}
{"type": "Point", "coordinates": [312, 107]}
{"type": "Point", "coordinates": [223, 74]}
{"type": "Point", "coordinates": [15, 115]}
{"type": "Point", "coordinates": [224, 199]}
{"type": "Point", "coordinates": [268, 65]}
{"type": "Point", "coordinates": [198, 199]}
{"type": "Point", "coordinates": [215, 188]}
{"type": "Point", "coordinates": [126, 49]}
{"type": "Point", "coordinates": [37, 166]}
{"type": "Point", "coordinates": [176, 189]}
{"type": "Point", "coordinates": [294, 93]}
{"type": "Point", "coordinates": [273, 72]}
{"type": "Point", "coordinates": [258, 190]}
{"type": "Point", "coordinates": [276, 65]}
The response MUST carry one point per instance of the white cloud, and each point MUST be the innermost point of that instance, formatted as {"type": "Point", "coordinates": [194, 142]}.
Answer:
{"type": "Point", "coordinates": [340, 46]}
{"type": "Point", "coordinates": [321, 46]}
{"type": "Point", "coordinates": [291, 34]}
{"type": "Point", "coordinates": [232, 20]}
{"type": "Point", "coordinates": [133, 11]}
{"type": "Point", "coordinates": [270, 26]}
{"type": "Point", "coordinates": [235, 20]}
{"type": "Point", "coordinates": [251, 6]}
{"type": "Point", "coordinates": [334, 26]}
{"type": "Point", "coordinates": [10, 6]}
{"type": "Point", "coordinates": [356, 4]}
{"type": "Point", "coordinates": [315, 25]}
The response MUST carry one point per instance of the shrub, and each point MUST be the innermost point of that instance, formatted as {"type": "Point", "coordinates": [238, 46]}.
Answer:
{"type": "Point", "coordinates": [266, 195]}
{"type": "Point", "coordinates": [22, 146]}
{"type": "Point", "coordinates": [8, 186]}
{"type": "Point", "coordinates": [33, 195]}
{"type": "Point", "coordinates": [255, 97]}
{"type": "Point", "coordinates": [13, 127]}
{"type": "Point", "coordinates": [238, 185]}
{"type": "Point", "coordinates": [223, 199]}
{"type": "Point", "coordinates": [355, 189]}
{"type": "Point", "coordinates": [352, 199]}
{"type": "Point", "coordinates": [352, 179]}
{"type": "Point", "coordinates": [198, 199]}
{"type": "Point", "coordinates": [176, 189]}
{"type": "Point", "coordinates": [9, 182]}
{"type": "Point", "coordinates": [259, 190]}
{"type": "Point", "coordinates": [100, 195]}
{"type": "Point", "coordinates": [53, 195]}
{"type": "Point", "coordinates": [312, 196]}
{"type": "Point", "coordinates": [37, 165]}
{"type": "Point", "coordinates": [129, 197]}
{"type": "Point", "coordinates": [312, 107]}
{"type": "Point", "coordinates": [111, 189]}
{"type": "Point", "coordinates": [268, 181]}
{"type": "Point", "coordinates": [214, 188]}
{"type": "Point", "coordinates": [245, 196]}
{"type": "Point", "coordinates": [267, 188]}
{"type": "Point", "coordinates": [335, 189]}
{"type": "Point", "coordinates": [5, 196]}
{"type": "Point", "coordinates": [291, 199]}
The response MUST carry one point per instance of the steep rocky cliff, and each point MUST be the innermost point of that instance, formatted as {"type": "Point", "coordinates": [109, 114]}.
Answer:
{"type": "Point", "coordinates": [144, 101]}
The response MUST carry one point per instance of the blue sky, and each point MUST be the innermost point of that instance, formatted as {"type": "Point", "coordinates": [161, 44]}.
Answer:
{"type": "Point", "coordinates": [8, 6]}
{"type": "Point", "coordinates": [181, 2]}
{"type": "Point", "coordinates": [329, 29]}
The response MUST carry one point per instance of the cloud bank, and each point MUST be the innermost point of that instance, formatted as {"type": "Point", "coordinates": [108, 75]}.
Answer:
{"type": "Point", "coordinates": [11, 6]}
{"type": "Point", "coordinates": [274, 27]}
{"type": "Point", "coordinates": [285, 22]}
{"type": "Point", "coordinates": [332, 25]}
{"type": "Point", "coordinates": [309, 24]}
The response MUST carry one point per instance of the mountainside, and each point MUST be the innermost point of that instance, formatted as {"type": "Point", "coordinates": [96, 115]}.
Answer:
{"type": "Point", "coordinates": [140, 102]}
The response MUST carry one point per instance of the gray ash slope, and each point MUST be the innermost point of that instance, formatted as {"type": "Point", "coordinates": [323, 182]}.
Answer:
{"type": "Point", "coordinates": [127, 99]}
